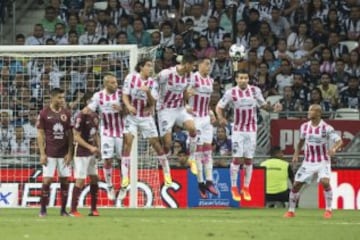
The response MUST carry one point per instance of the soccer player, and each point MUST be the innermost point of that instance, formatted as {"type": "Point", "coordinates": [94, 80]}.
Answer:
{"type": "Point", "coordinates": [244, 99]}
{"type": "Point", "coordinates": [109, 103]}
{"type": "Point", "coordinates": [87, 145]}
{"type": "Point", "coordinates": [321, 143]}
{"type": "Point", "coordinates": [200, 90]}
{"type": "Point", "coordinates": [56, 149]}
{"type": "Point", "coordinates": [173, 84]}
{"type": "Point", "coordinates": [140, 93]}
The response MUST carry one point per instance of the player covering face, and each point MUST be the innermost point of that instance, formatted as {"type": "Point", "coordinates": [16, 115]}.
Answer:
{"type": "Point", "coordinates": [140, 93]}
{"type": "Point", "coordinates": [55, 145]}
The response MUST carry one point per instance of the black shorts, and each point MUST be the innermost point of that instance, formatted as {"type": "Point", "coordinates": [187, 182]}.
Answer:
{"type": "Point", "coordinates": [278, 197]}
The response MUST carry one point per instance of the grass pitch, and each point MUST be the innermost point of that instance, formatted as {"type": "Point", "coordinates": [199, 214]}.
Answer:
{"type": "Point", "coordinates": [176, 224]}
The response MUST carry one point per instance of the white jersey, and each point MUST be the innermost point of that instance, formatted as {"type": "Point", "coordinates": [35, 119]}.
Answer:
{"type": "Point", "coordinates": [203, 89]}
{"type": "Point", "coordinates": [244, 103]}
{"type": "Point", "coordinates": [139, 98]}
{"type": "Point", "coordinates": [317, 141]}
{"type": "Point", "coordinates": [171, 89]}
{"type": "Point", "coordinates": [111, 123]}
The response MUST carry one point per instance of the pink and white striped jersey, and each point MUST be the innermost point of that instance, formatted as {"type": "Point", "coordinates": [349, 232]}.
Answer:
{"type": "Point", "coordinates": [139, 98]}
{"type": "Point", "coordinates": [171, 89]}
{"type": "Point", "coordinates": [203, 88]}
{"type": "Point", "coordinates": [111, 122]}
{"type": "Point", "coordinates": [317, 140]}
{"type": "Point", "coordinates": [244, 102]}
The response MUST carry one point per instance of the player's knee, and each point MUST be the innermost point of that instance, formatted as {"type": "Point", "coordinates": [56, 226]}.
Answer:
{"type": "Point", "coordinates": [247, 161]}
{"type": "Point", "coordinates": [236, 161]}
{"type": "Point", "coordinates": [80, 183]}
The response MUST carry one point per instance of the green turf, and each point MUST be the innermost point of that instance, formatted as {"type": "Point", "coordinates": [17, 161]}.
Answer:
{"type": "Point", "coordinates": [176, 224]}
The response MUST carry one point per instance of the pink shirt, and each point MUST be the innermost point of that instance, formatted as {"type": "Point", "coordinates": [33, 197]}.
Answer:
{"type": "Point", "coordinates": [244, 103]}
{"type": "Point", "coordinates": [139, 98]}
{"type": "Point", "coordinates": [203, 88]}
{"type": "Point", "coordinates": [111, 123]}
{"type": "Point", "coordinates": [171, 89]}
{"type": "Point", "coordinates": [317, 140]}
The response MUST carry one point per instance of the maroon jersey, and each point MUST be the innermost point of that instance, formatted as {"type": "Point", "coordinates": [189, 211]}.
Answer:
{"type": "Point", "coordinates": [57, 127]}
{"type": "Point", "coordinates": [87, 125]}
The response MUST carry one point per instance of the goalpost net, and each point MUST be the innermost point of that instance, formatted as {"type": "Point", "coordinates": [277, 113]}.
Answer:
{"type": "Point", "coordinates": [27, 73]}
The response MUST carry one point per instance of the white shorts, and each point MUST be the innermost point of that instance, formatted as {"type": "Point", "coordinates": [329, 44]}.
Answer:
{"type": "Point", "coordinates": [85, 166]}
{"type": "Point", "coordinates": [204, 130]}
{"type": "Point", "coordinates": [307, 171]}
{"type": "Point", "coordinates": [111, 147]}
{"type": "Point", "coordinates": [243, 144]}
{"type": "Point", "coordinates": [145, 124]}
{"type": "Point", "coordinates": [56, 163]}
{"type": "Point", "coordinates": [169, 117]}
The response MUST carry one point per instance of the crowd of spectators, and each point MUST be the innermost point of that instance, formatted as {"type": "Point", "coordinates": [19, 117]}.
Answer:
{"type": "Point", "coordinates": [292, 49]}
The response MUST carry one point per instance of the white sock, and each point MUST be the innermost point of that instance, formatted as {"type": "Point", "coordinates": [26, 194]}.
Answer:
{"type": "Point", "coordinates": [199, 164]}
{"type": "Point", "coordinates": [192, 146]}
{"type": "Point", "coordinates": [108, 175]}
{"type": "Point", "coordinates": [234, 172]}
{"type": "Point", "coordinates": [328, 194]}
{"type": "Point", "coordinates": [125, 165]}
{"type": "Point", "coordinates": [248, 169]}
{"type": "Point", "coordinates": [164, 164]}
{"type": "Point", "coordinates": [293, 198]}
{"type": "Point", "coordinates": [208, 162]}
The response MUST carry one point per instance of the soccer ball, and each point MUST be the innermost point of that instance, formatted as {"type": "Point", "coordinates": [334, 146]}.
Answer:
{"type": "Point", "coordinates": [237, 52]}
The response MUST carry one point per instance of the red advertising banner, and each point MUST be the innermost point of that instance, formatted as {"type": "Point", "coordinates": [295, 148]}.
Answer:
{"type": "Point", "coordinates": [345, 184]}
{"type": "Point", "coordinates": [285, 133]}
{"type": "Point", "coordinates": [22, 187]}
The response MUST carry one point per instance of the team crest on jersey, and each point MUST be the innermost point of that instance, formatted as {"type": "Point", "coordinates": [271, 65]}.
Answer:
{"type": "Point", "coordinates": [323, 133]}
{"type": "Point", "coordinates": [63, 117]}
{"type": "Point", "coordinates": [77, 123]}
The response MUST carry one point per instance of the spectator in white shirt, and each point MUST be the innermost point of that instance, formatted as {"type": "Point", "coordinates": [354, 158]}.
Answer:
{"type": "Point", "coordinates": [38, 37]}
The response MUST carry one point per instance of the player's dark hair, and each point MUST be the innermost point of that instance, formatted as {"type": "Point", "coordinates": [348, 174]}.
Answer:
{"type": "Point", "coordinates": [202, 59]}
{"type": "Point", "coordinates": [275, 151]}
{"type": "Point", "coordinates": [87, 96]}
{"type": "Point", "coordinates": [56, 91]}
{"type": "Point", "coordinates": [141, 63]}
{"type": "Point", "coordinates": [188, 58]}
{"type": "Point", "coordinates": [241, 71]}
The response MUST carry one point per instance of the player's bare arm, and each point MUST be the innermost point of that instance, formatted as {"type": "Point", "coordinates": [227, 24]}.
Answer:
{"type": "Point", "coordinates": [41, 144]}
{"type": "Point", "coordinates": [220, 116]}
{"type": "Point", "coordinates": [79, 140]}
{"type": "Point", "coordinates": [127, 103]}
{"type": "Point", "coordinates": [297, 150]}
{"type": "Point", "coordinates": [334, 148]}
{"type": "Point", "coordinates": [86, 110]}
{"type": "Point", "coordinates": [69, 156]}
{"type": "Point", "coordinates": [277, 107]}
{"type": "Point", "coordinates": [150, 98]}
